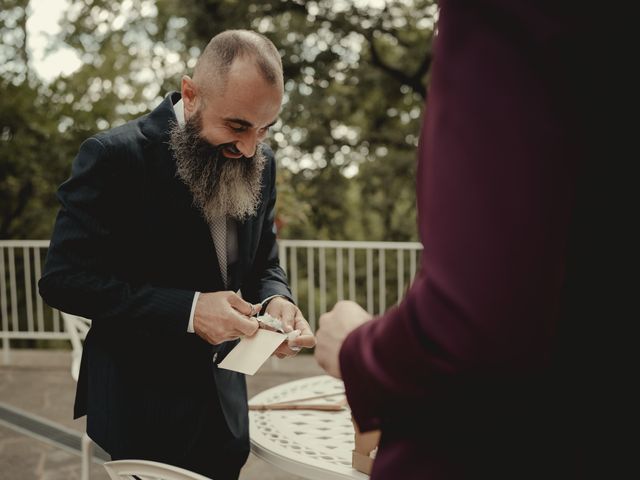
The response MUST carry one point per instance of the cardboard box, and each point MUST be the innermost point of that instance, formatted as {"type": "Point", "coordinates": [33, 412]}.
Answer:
{"type": "Point", "coordinates": [365, 449]}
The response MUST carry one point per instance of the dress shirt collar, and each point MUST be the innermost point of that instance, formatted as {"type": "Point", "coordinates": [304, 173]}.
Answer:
{"type": "Point", "coordinates": [178, 108]}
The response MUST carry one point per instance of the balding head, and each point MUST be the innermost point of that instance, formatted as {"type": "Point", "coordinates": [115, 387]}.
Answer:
{"type": "Point", "coordinates": [215, 62]}
{"type": "Point", "coordinates": [237, 91]}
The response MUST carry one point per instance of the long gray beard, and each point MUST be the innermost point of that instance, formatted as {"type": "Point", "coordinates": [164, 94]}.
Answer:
{"type": "Point", "coordinates": [219, 186]}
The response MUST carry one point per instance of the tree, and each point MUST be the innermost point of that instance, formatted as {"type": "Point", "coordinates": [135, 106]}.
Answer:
{"type": "Point", "coordinates": [356, 74]}
{"type": "Point", "coordinates": [30, 144]}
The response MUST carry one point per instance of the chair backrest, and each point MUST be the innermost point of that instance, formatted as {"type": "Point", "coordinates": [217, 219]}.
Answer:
{"type": "Point", "coordinates": [77, 328]}
{"type": "Point", "coordinates": [146, 470]}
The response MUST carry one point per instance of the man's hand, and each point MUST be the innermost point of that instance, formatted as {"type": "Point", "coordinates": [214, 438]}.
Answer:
{"type": "Point", "coordinates": [292, 319]}
{"type": "Point", "coordinates": [334, 327]}
{"type": "Point", "coordinates": [223, 316]}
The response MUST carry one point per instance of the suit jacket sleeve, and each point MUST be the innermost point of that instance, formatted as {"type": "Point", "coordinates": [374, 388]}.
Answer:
{"type": "Point", "coordinates": [79, 277]}
{"type": "Point", "coordinates": [266, 277]}
{"type": "Point", "coordinates": [495, 188]}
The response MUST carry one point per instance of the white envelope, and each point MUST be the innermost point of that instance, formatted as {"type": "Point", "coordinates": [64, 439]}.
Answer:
{"type": "Point", "coordinates": [251, 352]}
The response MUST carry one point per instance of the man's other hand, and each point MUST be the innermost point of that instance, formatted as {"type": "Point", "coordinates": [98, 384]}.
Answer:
{"type": "Point", "coordinates": [292, 319]}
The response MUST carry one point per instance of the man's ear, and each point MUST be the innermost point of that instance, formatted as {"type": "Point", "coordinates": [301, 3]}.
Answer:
{"type": "Point", "coordinates": [189, 96]}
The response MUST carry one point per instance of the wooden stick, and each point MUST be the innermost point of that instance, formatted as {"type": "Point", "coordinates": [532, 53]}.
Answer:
{"type": "Point", "coordinates": [315, 397]}
{"type": "Point", "coordinates": [328, 407]}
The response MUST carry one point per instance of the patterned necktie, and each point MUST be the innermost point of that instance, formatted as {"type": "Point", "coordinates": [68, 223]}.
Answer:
{"type": "Point", "coordinates": [219, 234]}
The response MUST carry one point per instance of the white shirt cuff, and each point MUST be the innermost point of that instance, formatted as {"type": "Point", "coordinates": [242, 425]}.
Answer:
{"type": "Point", "coordinates": [193, 311]}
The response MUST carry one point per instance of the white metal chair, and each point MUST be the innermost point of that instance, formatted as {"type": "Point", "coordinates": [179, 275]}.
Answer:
{"type": "Point", "coordinates": [77, 328]}
{"type": "Point", "coordinates": [146, 470]}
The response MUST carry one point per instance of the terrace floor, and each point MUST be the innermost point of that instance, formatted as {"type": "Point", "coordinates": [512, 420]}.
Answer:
{"type": "Point", "coordinates": [37, 385]}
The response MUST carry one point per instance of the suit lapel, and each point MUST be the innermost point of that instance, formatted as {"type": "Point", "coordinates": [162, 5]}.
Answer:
{"type": "Point", "coordinates": [199, 227]}
{"type": "Point", "coordinates": [245, 235]}
{"type": "Point", "coordinates": [195, 230]}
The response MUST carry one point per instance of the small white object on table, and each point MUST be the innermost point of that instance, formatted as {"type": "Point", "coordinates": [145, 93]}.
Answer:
{"type": "Point", "coordinates": [312, 444]}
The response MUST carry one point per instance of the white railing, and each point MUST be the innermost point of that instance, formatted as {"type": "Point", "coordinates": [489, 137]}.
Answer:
{"type": "Point", "coordinates": [24, 316]}
{"type": "Point", "coordinates": [375, 274]}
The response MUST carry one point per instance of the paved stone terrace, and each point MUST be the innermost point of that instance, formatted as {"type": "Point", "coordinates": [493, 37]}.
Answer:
{"type": "Point", "coordinates": [39, 382]}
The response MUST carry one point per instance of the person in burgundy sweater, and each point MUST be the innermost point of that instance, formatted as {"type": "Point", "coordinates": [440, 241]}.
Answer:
{"type": "Point", "coordinates": [484, 369]}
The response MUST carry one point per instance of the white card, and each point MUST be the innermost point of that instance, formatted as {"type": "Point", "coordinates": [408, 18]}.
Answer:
{"type": "Point", "coordinates": [249, 355]}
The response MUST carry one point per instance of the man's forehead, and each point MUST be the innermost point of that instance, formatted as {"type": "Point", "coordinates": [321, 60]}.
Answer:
{"type": "Point", "coordinates": [245, 99]}
{"type": "Point", "coordinates": [247, 112]}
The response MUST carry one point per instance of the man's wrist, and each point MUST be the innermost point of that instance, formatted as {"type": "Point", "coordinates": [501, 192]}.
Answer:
{"type": "Point", "coordinates": [267, 300]}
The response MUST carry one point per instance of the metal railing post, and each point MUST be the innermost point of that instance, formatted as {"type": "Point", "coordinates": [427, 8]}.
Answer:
{"type": "Point", "coordinates": [4, 313]}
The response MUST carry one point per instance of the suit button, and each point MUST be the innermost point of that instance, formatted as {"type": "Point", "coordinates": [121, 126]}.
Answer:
{"type": "Point", "coordinates": [215, 356]}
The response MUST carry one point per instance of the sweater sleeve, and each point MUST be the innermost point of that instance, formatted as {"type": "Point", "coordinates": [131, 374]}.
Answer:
{"type": "Point", "coordinates": [495, 187]}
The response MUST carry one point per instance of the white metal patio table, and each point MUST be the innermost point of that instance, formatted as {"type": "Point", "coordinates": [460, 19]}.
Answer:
{"type": "Point", "coordinates": [312, 444]}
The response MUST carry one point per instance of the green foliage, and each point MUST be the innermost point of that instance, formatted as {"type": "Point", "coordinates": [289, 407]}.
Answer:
{"type": "Point", "coordinates": [355, 71]}
{"type": "Point", "coordinates": [27, 182]}
{"type": "Point", "coordinates": [25, 179]}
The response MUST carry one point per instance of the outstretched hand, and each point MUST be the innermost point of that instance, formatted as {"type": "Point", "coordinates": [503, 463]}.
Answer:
{"type": "Point", "coordinates": [335, 325]}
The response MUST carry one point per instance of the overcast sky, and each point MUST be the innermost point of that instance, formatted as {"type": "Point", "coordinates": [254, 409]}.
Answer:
{"type": "Point", "coordinates": [42, 25]}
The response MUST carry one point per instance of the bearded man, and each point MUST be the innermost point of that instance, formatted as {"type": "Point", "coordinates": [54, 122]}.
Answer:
{"type": "Point", "coordinates": [162, 220]}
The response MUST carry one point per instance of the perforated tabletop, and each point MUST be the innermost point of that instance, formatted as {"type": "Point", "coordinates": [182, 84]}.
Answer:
{"type": "Point", "coordinates": [312, 444]}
